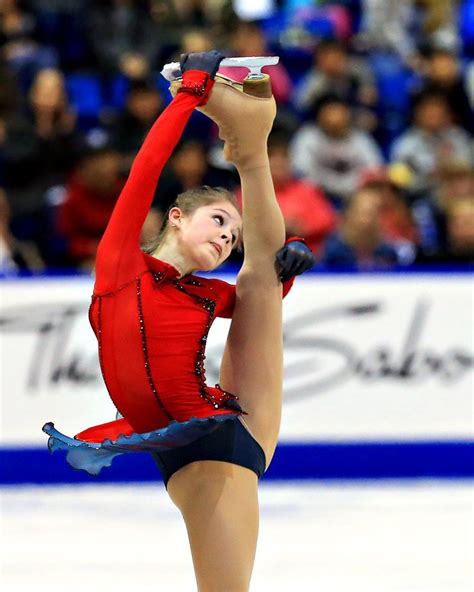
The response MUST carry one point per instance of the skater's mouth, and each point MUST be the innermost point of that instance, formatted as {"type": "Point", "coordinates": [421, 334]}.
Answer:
{"type": "Point", "coordinates": [217, 247]}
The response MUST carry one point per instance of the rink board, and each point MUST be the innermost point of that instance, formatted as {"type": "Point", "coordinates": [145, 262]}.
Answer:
{"type": "Point", "coordinates": [378, 377]}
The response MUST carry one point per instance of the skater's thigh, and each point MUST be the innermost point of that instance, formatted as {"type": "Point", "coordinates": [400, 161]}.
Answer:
{"type": "Point", "coordinates": [252, 365]}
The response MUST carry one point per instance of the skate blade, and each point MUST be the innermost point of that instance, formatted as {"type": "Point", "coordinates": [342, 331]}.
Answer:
{"type": "Point", "coordinates": [172, 71]}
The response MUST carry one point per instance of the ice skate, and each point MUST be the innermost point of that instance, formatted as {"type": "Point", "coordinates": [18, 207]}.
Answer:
{"type": "Point", "coordinates": [244, 111]}
{"type": "Point", "coordinates": [256, 83]}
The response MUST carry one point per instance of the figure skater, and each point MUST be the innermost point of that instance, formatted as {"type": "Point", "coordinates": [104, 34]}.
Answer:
{"type": "Point", "coordinates": [151, 316]}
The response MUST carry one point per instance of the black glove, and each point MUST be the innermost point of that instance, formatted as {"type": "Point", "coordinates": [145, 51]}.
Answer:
{"type": "Point", "coordinates": [294, 258]}
{"type": "Point", "coordinates": [205, 61]}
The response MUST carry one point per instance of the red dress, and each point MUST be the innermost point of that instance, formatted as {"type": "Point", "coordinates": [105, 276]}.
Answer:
{"type": "Point", "coordinates": [151, 326]}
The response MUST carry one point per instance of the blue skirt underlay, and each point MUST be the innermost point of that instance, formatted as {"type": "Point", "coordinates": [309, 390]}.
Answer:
{"type": "Point", "coordinates": [93, 457]}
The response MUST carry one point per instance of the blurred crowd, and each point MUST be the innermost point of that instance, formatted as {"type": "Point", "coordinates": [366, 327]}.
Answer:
{"type": "Point", "coordinates": [372, 151]}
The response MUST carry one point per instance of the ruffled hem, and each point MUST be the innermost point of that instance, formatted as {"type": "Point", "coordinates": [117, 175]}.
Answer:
{"type": "Point", "coordinates": [92, 457]}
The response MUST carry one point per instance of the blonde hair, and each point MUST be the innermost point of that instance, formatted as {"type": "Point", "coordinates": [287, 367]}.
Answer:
{"type": "Point", "coordinates": [188, 202]}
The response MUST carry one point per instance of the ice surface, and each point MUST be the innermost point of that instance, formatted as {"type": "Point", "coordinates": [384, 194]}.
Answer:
{"type": "Point", "coordinates": [387, 537]}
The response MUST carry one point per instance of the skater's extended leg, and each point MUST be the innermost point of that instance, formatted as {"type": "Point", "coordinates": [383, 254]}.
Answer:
{"type": "Point", "coordinates": [252, 365]}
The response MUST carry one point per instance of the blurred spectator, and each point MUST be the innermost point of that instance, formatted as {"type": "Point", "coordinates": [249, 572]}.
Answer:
{"type": "Point", "coordinates": [123, 37]}
{"type": "Point", "coordinates": [396, 220]}
{"type": "Point", "coordinates": [331, 152]}
{"type": "Point", "coordinates": [188, 168]}
{"type": "Point", "coordinates": [443, 76]}
{"type": "Point", "coordinates": [438, 23]}
{"type": "Point", "coordinates": [49, 104]}
{"type": "Point", "coordinates": [306, 210]}
{"type": "Point", "coordinates": [385, 25]}
{"type": "Point", "coordinates": [15, 256]}
{"type": "Point", "coordinates": [18, 43]}
{"type": "Point", "coordinates": [432, 140]}
{"type": "Point", "coordinates": [39, 149]}
{"type": "Point", "coordinates": [455, 181]}
{"type": "Point", "coordinates": [143, 105]}
{"type": "Point", "coordinates": [91, 194]}
{"type": "Point", "coordinates": [359, 243]}
{"type": "Point", "coordinates": [404, 25]}
{"type": "Point", "coordinates": [432, 162]}
{"type": "Point", "coordinates": [247, 39]}
{"type": "Point", "coordinates": [195, 41]}
{"type": "Point", "coordinates": [7, 259]}
{"type": "Point", "coordinates": [460, 235]}
{"type": "Point", "coordinates": [202, 12]}
{"type": "Point", "coordinates": [335, 73]}
{"type": "Point", "coordinates": [174, 17]}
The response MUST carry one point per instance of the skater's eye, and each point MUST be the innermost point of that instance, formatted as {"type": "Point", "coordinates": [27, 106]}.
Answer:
{"type": "Point", "coordinates": [220, 220]}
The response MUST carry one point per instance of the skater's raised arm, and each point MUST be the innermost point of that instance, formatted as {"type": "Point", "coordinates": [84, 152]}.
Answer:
{"type": "Point", "coordinates": [119, 258]}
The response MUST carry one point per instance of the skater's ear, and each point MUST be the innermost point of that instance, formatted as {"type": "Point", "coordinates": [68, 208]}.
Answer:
{"type": "Point", "coordinates": [175, 216]}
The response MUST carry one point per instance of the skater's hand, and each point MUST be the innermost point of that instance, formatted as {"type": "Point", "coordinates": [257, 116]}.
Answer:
{"type": "Point", "coordinates": [204, 61]}
{"type": "Point", "coordinates": [294, 258]}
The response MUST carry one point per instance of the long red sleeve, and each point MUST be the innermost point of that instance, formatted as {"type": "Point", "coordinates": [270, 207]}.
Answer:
{"type": "Point", "coordinates": [119, 258]}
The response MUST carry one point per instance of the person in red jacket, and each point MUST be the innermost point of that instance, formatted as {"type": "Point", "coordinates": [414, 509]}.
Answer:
{"type": "Point", "coordinates": [151, 316]}
{"type": "Point", "coordinates": [91, 194]}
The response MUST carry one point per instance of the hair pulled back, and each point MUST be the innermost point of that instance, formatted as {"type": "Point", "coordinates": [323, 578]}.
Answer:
{"type": "Point", "coordinates": [188, 202]}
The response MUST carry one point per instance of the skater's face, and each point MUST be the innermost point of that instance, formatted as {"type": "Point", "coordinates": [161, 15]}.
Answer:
{"type": "Point", "coordinates": [207, 236]}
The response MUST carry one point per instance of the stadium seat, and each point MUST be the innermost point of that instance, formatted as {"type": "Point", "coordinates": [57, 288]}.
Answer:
{"type": "Point", "coordinates": [85, 94]}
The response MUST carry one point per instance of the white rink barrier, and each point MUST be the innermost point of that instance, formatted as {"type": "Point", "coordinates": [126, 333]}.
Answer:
{"type": "Point", "coordinates": [373, 358]}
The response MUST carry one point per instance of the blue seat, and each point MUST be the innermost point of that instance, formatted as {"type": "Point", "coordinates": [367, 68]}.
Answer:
{"type": "Point", "coordinates": [117, 91]}
{"type": "Point", "coordinates": [393, 81]}
{"type": "Point", "coordinates": [85, 94]}
{"type": "Point", "coordinates": [466, 26]}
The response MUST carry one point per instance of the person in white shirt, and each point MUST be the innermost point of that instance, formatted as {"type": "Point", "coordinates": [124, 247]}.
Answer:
{"type": "Point", "coordinates": [331, 152]}
{"type": "Point", "coordinates": [432, 141]}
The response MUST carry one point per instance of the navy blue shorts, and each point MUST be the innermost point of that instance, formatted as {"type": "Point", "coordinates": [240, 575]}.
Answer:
{"type": "Point", "coordinates": [230, 442]}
